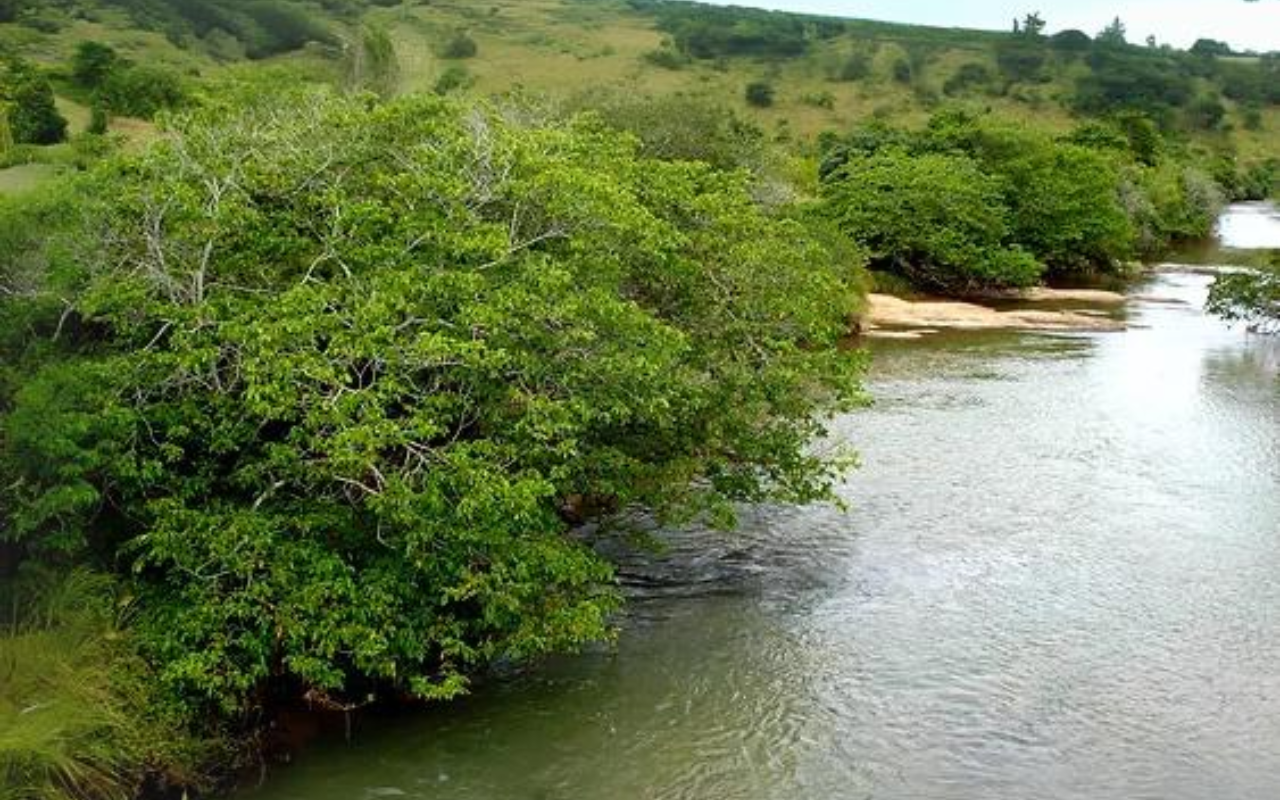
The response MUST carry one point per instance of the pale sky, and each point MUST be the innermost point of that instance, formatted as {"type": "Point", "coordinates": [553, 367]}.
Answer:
{"type": "Point", "coordinates": [1177, 22]}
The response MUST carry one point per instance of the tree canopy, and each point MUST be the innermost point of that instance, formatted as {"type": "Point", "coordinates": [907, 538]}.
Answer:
{"type": "Point", "coordinates": [330, 382]}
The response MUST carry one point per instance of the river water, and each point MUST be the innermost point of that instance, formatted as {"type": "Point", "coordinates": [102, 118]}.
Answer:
{"type": "Point", "coordinates": [1060, 578]}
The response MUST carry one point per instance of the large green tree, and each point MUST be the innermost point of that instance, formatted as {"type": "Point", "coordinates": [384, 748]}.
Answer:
{"type": "Point", "coordinates": [935, 218]}
{"type": "Point", "coordinates": [333, 383]}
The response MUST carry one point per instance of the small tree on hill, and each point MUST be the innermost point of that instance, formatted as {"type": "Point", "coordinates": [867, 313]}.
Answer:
{"type": "Point", "coordinates": [760, 94]}
{"type": "Point", "coordinates": [33, 116]}
{"type": "Point", "coordinates": [92, 63]}
{"type": "Point", "coordinates": [460, 45]}
{"type": "Point", "coordinates": [1114, 34]}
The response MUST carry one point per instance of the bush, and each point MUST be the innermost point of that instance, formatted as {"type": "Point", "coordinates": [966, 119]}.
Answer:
{"type": "Point", "coordinates": [33, 116]}
{"type": "Point", "coordinates": [935, 219]}
{"type": "Point", "coordinates": [759, 94]}
{"type": "Point", "coordinates": [855, 66]}
{"type": "Point", "coordinates": [683, 127]}
{"type": "Point", "coordinates": [1021, 59]}
{"type": "Point", "coordinates": [459, 45]}
{"type": "Point", "coordinates": [901, 70]}
{"type": "Point", "coordinates": [142, 91]}
{"type": "Point", "coordinates": [270, 27]}
{"type": "Point", "coordinates": [98, 120]}
{"type": "Point", "coordinates": [1251, 118]}
{"type": "Point", "coordinates": [455, 78]}
{"type": "Point", "coordinates": [967, 77]}
{"type": "Point", "coordinates": [667, 58]}
{"type": "Point", "coordinates": [1206, 113]}
{"type": "Point", "coordinates": [1071, 42]}
{"type": "Point", "coordinates": [374, 65]}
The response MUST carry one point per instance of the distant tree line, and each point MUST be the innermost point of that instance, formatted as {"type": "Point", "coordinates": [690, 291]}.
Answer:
{"type": "Point", "coordinates": [970, 203]}
{"type": "Point", "coordinates": [705, 32]}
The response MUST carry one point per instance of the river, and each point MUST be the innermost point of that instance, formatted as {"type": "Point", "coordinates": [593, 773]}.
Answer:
{"type": "Point", "coordinates": [1060, 578]}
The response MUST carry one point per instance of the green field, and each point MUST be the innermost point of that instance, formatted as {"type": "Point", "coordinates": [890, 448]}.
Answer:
{"type": "Point", "coordinates": [25, 177]}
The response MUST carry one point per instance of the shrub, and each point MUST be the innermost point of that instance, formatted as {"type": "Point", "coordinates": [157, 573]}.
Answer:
{"type": "Point", "coordinates": [454, 78]}
{"type": "Point", "coordinates": [459, 45]}
{"type": "Point", "coordinates": [98, 121]}
{"type": "Point", "coordinates": [667, 58]}
{"type": "Point", "coordinates": [1206, 113]}
{"type": "Point", "coordinates": [374, 65]}
{"type": "Point", "coordinates": [1251, 118]}
{"type": "Point", "coordinates": [142, 91]}
{"type": "Point", "coordinates": [901, 70]}
{"type": "Point", "coordinates": [33, 115]}
{"type": "Point", "coordinates": [759, 94]}
{"type": "Point", "coordinates": [683, 127]}
{"type": "Point", "coordinates": [1071, 42]}
{"type": "Point", "coordinates": [1021, 59]}
{"type": "Point", "coordinates": [855, 66]}
{"type": "Point", "coordinates": [968, 76]}
{"type": "Point", "coordinates": [1065, 207]}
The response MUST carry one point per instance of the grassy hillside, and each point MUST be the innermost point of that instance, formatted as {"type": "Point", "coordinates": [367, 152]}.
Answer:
{"type": "Point", "coordinates": [825, 74]}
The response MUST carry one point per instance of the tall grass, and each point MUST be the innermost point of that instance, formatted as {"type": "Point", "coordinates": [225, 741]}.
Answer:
{"type": "Point", "coordinates": [77, 717]}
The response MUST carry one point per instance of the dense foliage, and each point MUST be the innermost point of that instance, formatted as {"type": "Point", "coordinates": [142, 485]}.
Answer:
{"type": "Point", "coordinates": [934, 218]}
{"type": "Point", "coordinates": [682, 127]}
{"type": "Point", "coordinates": [967, 204]}
{"type": "Point", "coordinates": [330, 383]}
{"type": "Point", "coordinates": [117, 85]}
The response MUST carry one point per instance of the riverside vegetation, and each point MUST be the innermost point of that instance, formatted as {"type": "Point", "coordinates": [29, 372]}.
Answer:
{"type": "Point", "coordinates": [306, 395]}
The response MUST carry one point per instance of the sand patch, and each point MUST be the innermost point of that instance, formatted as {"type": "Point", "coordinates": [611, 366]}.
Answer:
{"type": "Point", "coordinates": [887, 312]}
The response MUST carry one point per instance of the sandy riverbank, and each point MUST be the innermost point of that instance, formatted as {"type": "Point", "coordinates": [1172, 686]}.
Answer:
{"type": "Point", "coordinates": [892, 317]}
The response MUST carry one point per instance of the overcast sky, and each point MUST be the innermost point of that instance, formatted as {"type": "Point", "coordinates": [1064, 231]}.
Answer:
{"type": "Point", "coordinates": [1177, 22]}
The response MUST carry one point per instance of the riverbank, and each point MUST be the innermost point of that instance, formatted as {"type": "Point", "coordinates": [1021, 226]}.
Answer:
{"type": "Point", "coordinates": [1091, 311]}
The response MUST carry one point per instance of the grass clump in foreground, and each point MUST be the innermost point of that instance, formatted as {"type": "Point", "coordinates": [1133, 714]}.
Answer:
{"type": "Point", "coordinates": [78, 717]}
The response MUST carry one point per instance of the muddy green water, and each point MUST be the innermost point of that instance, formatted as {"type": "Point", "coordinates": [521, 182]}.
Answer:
{"type": "Point", "coordinates": [1060, 579]}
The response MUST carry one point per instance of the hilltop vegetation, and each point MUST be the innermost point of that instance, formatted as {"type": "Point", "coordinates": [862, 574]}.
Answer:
{"type": "Point", "coordinates": [825, 73]}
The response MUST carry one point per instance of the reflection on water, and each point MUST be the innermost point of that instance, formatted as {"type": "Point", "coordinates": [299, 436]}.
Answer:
{"type": "Point", "coordinates": [1060, 579]}
{"type": "Point", "coordinates": [1243, 234]}
{"type": "Point", "coordinates": [1250, 226]}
